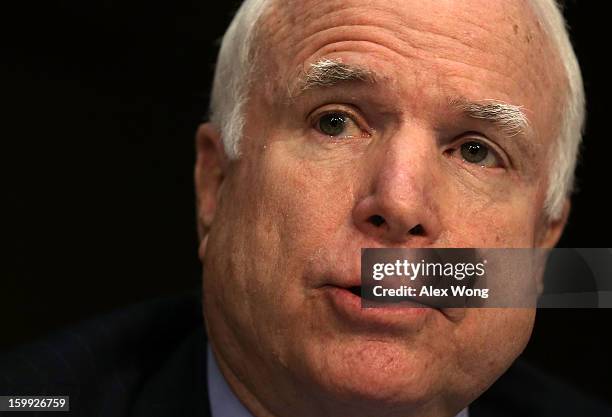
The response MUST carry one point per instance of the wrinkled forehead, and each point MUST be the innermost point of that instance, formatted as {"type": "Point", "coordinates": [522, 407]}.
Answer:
{"type": "Point", "coordinates": [504, 40]}
{"type": "Point", "coordinates": [295, 27]}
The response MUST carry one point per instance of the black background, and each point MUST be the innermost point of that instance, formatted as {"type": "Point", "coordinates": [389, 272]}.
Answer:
{"type": "Point", "coordinates": [100, 102]}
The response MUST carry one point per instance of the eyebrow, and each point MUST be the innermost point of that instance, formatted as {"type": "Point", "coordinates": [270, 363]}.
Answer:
{"type": "Point", "coordinates": [510, 118]}
{"type": "Point", "coordinates": [328, 73]}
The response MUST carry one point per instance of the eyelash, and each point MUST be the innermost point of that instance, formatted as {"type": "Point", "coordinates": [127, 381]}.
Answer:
{"type": "Point", "coordinates": [467, 137]}
{"type": "Point", "coordinates": [352, 116]}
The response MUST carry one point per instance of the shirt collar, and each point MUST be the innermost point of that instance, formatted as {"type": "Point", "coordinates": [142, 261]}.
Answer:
{"type": "Point", "coordinates": [223, 401]}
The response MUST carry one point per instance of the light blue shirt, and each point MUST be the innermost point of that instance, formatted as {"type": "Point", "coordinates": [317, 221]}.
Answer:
{"type": "Point", "coordinates": [223, 401]}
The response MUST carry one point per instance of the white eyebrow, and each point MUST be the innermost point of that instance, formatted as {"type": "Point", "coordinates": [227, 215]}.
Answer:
{"type": "Point", "coordinates": [510, 118]}
{"type": "Point", "coordinates": [328, 73]}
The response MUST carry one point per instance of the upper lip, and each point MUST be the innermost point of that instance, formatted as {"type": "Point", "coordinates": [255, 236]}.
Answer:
{"type": "Point", "coordinates": [351, 282]}
{"type": "Point", "coordinates": [348, 282]}
{"type": "Point", "coordinates": [343, 282]}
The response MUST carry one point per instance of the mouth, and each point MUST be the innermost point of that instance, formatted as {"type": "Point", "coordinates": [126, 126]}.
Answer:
{"type": "Point", "coordinates": [370, 301]}
{"type": "Point", "coordinates": [356, 306]}
{"type": "Point", "coordinates": [350, 308]}
{"type": "Point", "coordinates": [355, 290]}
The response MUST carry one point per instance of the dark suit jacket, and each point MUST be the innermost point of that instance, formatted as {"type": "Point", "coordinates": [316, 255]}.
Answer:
{"type": "Point", "coordinates": [149, 361]}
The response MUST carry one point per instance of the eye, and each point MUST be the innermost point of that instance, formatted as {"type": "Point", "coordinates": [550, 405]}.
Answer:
{"type": "Point", "coordinates": [478, 153]}
{"type": "Point", "coordinates": [332, 124]}
{"type": "Point", "coordinates": [338, 125]}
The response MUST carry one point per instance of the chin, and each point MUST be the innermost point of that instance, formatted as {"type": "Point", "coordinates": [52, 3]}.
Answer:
{"type": "Point", "coordinates": [377, 373]}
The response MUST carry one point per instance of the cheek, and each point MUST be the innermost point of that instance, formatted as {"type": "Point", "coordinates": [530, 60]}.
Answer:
{"type": "Point", "coordinates": [508, 329]}
{"type": "Point", "coordinates": [483, 221]}
{"type": "Point", "coordinates": [309, 201]}
{"type": "Point", "coordinates": [494, 337]}
{"type": "Point", "coordinates": [276, 213]}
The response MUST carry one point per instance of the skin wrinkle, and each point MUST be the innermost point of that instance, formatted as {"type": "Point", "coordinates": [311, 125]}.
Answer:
{"type": "Point", "coordinates": [508, 117]}
{"type": "Point", "coordinates": [525, 146]}
{"type": "Point", "coordinates": [399, 23]}
{"type": "Point", "coordinates": [328, 73]}
{"type": "Point", "coordinates": [532, 148]}
{"type": "Point", "coordinates": [534, 50]}
{"type": "Point", "coordinates": [486, 195]}
{"type": "Point", "coordinates": [501, 75]}
{"type": "Point", "coordinates": [338, 49]}
{"type": "Point", "coordinates": [294, 214]}
{"type": "Point", "coordinates": [387, 79]}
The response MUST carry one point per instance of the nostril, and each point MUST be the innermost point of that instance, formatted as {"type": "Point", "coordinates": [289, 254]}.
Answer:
{"type": "Point", "coordinates": [376, 220]}
{"type": "Point", "coordinates": [417, 230]}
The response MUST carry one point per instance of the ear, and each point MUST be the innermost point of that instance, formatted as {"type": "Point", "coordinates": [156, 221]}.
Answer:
{"type": "Point", "coordinates": [554, 228]}
{"type": "Point", "coordinates": [210, 167]}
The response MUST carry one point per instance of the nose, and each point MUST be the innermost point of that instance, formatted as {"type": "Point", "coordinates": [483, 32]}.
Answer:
{"type": "Point", "coordinates": [400, 206]}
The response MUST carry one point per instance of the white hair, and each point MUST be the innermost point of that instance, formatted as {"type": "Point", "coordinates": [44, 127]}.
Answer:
{"type": "Point", "coordinates": [234, 74]}
{"type": "Point", "coordinates": [236, 62]}
{"type": "Point", "coordinates": [569, 136]}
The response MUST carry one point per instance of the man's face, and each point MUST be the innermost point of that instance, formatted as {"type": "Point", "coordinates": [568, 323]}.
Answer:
{"type": "Point", "coordinates": [390, 160]}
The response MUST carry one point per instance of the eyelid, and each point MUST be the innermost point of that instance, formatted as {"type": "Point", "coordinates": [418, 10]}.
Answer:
{"type": "Point", "coordinates": [504, 159]}
{"type": "Point", "coordinates": [345, 109]}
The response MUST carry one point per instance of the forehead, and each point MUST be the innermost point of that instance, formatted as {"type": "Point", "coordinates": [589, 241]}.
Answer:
{"type": "Point", "coordinates": [491, 49]}
{"type": "Point", "coordinates": [505, 30]}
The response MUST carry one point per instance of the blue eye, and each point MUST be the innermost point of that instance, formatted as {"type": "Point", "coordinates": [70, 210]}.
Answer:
{"type": "Point", "coordinates": [332, 124]}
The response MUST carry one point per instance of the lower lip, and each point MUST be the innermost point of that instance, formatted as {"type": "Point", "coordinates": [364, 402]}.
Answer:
{"type": "Point", "coordinates": [348, 306]}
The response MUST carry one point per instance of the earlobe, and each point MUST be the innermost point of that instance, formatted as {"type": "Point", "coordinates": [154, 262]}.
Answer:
{"type": "Point", "coordinates": [209, 174]}
{"type": "Point", "coordinates": [554, 228]}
